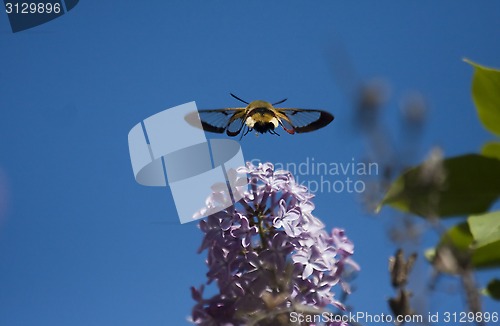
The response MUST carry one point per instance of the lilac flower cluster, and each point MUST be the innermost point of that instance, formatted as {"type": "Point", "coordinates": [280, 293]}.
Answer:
{"type": "Point", "coordinates": [269, 255]}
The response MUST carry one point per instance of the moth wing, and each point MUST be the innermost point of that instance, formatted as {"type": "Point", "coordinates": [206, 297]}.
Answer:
{"type": "Point", "coordinates": [303, 120]}
{"type": "Point", "coordinates": [218, 120]}
{"type": "Point", "coordinates": [236, 123]}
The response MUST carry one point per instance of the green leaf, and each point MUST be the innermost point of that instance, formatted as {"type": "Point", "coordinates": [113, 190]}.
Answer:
{"type": "Point", "coordinates": [454, 250]}
{"type": "Point", "coordinates": [491, 149]}
{"type": "Point", "coordinates": [485, 228]}
{"type": "Point", "coordinates": [486, 256]}
{"type": "Point", "coordinates": [459, 236]}
{"type": "Point", "coordinates": [493, 289]}
{"type": "Point", "coordinates": [469, 185]}
{"type": "Point", "coordinates": [468, 244]}
{"type": "Point", "coordinates": [486, 96]}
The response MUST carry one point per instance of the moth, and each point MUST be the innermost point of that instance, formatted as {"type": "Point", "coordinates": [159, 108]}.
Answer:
{"type": "Point", "coordinates": [261, 117]}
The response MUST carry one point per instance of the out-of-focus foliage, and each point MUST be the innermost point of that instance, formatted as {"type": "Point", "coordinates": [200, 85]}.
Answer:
{"type": "Point", "coordinates": [456, 186]}
{"type": "Point", "coordinates": [486, 96]}
{"type": "Point", "coordinates": [493, 289]}
{"type": "Point", "coordinates": [491, 149]}
{"type": "Point", "coordinates": [475, 243]}
{"type": "Point", "coordinates": [466, 185]}
{"type": "Point", "coordinates": [485, 228]}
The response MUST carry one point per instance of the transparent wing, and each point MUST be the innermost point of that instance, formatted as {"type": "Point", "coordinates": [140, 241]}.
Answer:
{"type": "Point", "coordinates": [218, 120]}
{"type": "Point", "coordinates": [236, 123]}
{"type": "Point", "coordinates": [303, 120]}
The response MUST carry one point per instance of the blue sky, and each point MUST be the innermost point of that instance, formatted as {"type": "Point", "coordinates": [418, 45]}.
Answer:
{"type": "Point", "coordinates": [81, 243]}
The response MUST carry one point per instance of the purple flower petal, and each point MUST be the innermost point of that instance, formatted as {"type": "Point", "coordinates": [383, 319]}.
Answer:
{"type": "Point", "coordinates": [269, 242]}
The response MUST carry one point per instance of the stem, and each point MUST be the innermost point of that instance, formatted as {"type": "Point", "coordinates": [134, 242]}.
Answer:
{"type": "Point", "coordinates": [260, 226]}
{"type": "Point", "coordinates": [471, 292]}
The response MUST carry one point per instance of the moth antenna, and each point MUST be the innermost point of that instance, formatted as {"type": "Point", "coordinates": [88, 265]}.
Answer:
{"type": "Point", "coordinates": [280, 102]}
{"type": "Point", "coordinates": [239, 99]}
